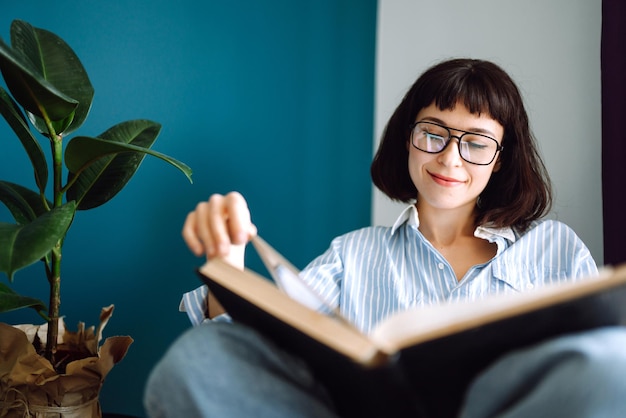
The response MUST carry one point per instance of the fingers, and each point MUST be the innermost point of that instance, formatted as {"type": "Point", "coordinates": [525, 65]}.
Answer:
{"type": "Point", "coordinates": [190, 236]}
{"type": "Point", "coordinates": [217, 225]}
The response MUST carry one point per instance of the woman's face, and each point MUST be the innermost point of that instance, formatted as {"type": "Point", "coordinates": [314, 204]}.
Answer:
{"type": "Point", "coordinates": [444, 180]}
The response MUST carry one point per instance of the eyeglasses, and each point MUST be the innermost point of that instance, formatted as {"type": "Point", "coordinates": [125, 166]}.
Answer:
{"type": "Point", "coordinates": [474, 148]}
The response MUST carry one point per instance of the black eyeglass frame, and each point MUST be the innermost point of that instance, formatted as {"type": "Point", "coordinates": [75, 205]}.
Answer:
{"type": "Point", "coordinates": [499, 147]}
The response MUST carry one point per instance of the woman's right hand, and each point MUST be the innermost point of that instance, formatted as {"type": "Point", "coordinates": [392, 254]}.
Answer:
{"type": "Point", "coordinates": [220, 227]}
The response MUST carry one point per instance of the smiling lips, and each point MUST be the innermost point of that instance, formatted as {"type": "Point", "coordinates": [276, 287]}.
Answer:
{"type": "Point", "coordinates": [445, 181]}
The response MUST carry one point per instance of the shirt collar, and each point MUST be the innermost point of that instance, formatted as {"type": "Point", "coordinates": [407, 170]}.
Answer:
{"type": "Point", "coordinates": [410, 217]}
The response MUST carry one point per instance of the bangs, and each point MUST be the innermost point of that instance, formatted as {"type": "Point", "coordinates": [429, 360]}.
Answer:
{"type": "Point", "coordinates": [483, 88]}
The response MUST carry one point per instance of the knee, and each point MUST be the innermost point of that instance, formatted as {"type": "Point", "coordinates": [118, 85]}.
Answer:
{"type": "Point", "coordinates": [192, 365]}
{"type": "Point", "coordinates": [199, 352]}
{"type": "Point", "coordinates": [579, 375]}
{"type": "Point", "coordinates": [591, 371]}
{"type": "Point", "coordinates": [600, 356]}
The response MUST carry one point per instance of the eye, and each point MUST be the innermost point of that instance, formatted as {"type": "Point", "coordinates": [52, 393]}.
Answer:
{"type": "Point", "coordinates": [478, 143]}
{"type": "Point", "coordinates": [433, 137]}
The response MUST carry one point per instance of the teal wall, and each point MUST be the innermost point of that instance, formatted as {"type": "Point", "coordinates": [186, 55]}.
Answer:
{"type": "Point", "coordinates": [272, 98]}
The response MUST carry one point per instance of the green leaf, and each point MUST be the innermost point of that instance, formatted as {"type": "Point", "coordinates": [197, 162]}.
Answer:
{"type": "Point", "coordinates": [10, 301]}
{"type": "Point", "coordinates": [58, 64]}
{"type": "Point", "coordinates": [59, 126]}
{"type": "Point", "coordinates": [30, 89]}
{"type": "Point", "coordinates": [25, 205]}
{"type": "Point", "coordinates": [15, 119]}
{"type": "Point", "coordinates": [23, 245]}
{"type": "Point", "coordinates": [104, 165]}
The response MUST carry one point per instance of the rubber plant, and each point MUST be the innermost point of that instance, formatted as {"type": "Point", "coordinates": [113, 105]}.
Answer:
{"type": "Point", "coordinates": [51, 95]}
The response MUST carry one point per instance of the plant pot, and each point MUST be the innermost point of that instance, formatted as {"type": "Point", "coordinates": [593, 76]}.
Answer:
{"type": "Point", "coordinates": [21, 409]}
{"type": "Point", "coordinates": [30, 386]}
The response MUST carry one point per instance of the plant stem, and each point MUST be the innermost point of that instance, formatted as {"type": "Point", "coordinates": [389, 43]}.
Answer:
{"type": "Point", "coordinates": [55, 260]}
{"type": "Point", "coordinates": [57, 156]}
{"type": "Point", "coordinates": [54, 303]}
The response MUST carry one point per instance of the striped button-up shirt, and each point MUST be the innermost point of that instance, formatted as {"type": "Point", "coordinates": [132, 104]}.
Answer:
{"type": "Point", "coordinates": [374, 272]}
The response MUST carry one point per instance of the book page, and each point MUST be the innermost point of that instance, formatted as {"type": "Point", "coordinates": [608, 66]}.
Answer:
{"type": "Point", "coordinates": [296, 288]}
{"type": "Point", "coordinates": [286, 275]}
{"type": "Point", "coordinates": [420, 323]}
{"type": "Point", "coordinates": [287, 278]}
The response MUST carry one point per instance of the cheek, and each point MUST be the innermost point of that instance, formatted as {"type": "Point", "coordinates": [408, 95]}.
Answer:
{"type": "Point", "coordinates": [412, 166]}
{"type": "Point", "coordinates": [481, 177]}
{"type": "Point", "coordinates": [416, 162]}
{"type": "Point", "coordinates": [418, 158]}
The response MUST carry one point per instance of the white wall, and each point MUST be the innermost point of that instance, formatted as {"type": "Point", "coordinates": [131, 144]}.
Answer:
{"type": "Point", "coordinates": [551, 48]}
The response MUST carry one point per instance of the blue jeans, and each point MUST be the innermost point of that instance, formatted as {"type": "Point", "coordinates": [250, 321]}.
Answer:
{"type": "Point", "coordinates": [228, 370]}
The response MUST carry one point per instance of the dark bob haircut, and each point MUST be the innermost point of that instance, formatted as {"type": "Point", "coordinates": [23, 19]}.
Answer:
{"type": "Point", "coordinates": [520, 191]}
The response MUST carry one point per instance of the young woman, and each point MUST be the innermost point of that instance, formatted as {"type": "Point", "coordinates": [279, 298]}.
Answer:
{"type": "Point", "coordinates": [459, 151]}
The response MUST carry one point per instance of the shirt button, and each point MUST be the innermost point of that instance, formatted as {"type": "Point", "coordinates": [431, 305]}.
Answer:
{"type": "Point", "coordinates": [440, 265]}
{"type": "Point", "coordinates": [530, 286]}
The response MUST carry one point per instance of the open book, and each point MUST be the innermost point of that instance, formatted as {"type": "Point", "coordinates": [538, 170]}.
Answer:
{"type": "Point", "coordinates": [417, 362]}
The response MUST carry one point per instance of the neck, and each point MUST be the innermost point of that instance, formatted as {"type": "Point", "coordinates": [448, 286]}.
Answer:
{"type": "Point", "coordinates": [445, 227]}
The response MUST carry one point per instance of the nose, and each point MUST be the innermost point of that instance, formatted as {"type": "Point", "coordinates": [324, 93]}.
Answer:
{"type": "Point", "coordinates": [450, 155]}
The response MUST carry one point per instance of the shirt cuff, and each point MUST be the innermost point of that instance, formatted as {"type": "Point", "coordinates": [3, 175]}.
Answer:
{"type": "Point", "coordinates": [194, 303]}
